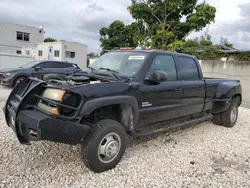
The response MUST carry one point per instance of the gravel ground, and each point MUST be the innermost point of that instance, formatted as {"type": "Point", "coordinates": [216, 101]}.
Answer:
{"type": "Point", "coordinates": [204, 155]}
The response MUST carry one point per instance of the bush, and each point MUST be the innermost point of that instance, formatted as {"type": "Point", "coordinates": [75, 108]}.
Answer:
{"type": "Point", "coordinates": [205, 43]}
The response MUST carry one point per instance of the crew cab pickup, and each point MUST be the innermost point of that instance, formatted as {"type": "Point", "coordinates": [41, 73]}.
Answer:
{"type": "Point", "coordinates": [122, 93]}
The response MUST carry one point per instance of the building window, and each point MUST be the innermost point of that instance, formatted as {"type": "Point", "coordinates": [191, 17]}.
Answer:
{"type": "Point", "coordinates": [18, 52]}
{"type": "Point", "coordinates": [26, 36]}
{"type": "Point", "coordinates": [40, 53]}
{"type": "Point", "coordinates": [70, 54]}
{"type": "Point", "coordinates": [22, 36]}
{"type": "Point", "coordinates": [56, 53]}
{"type": "Point", "coordinates": [27, 52]}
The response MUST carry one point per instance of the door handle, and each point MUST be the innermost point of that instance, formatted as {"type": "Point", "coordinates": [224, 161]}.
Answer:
{"type": "Point", "coordinates": [199, 87]}
{"type": "Point", "coordinates": [178, 89]}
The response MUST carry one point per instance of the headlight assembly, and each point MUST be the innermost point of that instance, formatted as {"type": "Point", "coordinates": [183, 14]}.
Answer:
{"type": "Point", "coordinates": [8, 74]}
{"type": "Point", "coordinates": [54, 94]}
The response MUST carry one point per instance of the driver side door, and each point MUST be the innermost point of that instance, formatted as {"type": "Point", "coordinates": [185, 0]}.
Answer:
{"type": "Point", "coordinates": [162, 101]}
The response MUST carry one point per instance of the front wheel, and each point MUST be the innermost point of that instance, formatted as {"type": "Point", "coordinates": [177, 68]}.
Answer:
{"type": "Point", "coordinates": [105, 145]}
{"type": "Point", "coordinates": [18, 80]}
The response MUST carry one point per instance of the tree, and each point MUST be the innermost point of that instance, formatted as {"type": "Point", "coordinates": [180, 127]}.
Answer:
{"type": "Point", "coordinates": [224, 41]}
{"type": "Point", "coordinates": [91, 54]}
{"type": "Point", "coordinates": [118, 35]}
{"type": "Point", "coordinates": [50, 40]}
{"type": "Point", "coordinates": [208, 37]}
{"type": "Point", "coordinates": [192, 43]}
{"type": "Point", "coordinates": [163, 19]}
{"type": "Point", "coordinates": [206, 43]}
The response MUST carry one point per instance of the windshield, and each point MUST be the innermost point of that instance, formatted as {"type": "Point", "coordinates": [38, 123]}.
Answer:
{"type": "Point", "coordinates": [30, 64]}
{"type": "Point", "coordinates": [124, 63]}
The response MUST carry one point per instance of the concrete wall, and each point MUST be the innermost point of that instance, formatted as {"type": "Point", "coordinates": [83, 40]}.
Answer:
{"type": "Point", "coordinates": [13, 60]}
{"type": "Point", "coordinates": [230, 70]}
{"type": "Point", "coordinates": [8, 37]}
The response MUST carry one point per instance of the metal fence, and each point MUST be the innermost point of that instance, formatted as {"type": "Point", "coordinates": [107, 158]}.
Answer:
{"type": "Point", "coordinates": [13, 60]}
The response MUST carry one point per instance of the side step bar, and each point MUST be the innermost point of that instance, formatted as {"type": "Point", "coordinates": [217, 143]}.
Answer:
{"type": "Point", "coordinates": [174, 126]}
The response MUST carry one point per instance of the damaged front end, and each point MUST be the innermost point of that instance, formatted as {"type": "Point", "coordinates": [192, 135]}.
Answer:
{"type": "Point", "coordinates": [38, 111]}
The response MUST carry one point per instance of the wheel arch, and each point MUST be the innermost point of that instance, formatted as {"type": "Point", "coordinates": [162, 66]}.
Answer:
{"type": "Point", "coordinates": [126, 106]}
{"type": "Point", "coordinates": [18, 76]}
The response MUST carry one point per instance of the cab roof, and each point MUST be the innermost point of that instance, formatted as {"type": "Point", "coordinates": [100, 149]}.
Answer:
{"type": "Point", "coordinates": [155, 51]}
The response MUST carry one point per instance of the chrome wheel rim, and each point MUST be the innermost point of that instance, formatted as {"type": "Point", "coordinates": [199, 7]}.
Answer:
{"type": "Point", "coordinates": [109, 147]}
{"type": "Point", "coordinates": [233, 114]}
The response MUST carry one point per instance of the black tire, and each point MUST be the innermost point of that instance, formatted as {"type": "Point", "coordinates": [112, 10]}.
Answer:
{"type": "Point", "coordinates": [217, 119]}
{"type": "Point", "coordinates": [91, 145]}
{"type": "Point", "coordinates": [18, 80]}
{"type": "Point", "coordinates": [226, 118]}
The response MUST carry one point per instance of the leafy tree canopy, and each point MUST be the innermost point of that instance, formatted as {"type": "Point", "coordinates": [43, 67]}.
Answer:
{"type": "Point", "coordinates": [118, 35]}
{"type": "Point", "coordinates": [50, 40]}
{"type": "Point", "coordinates": [163, 19]}
{"type": "Point", "coordinates": [160, 24]}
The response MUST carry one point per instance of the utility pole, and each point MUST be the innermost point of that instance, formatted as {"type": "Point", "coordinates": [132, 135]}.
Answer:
{"type": "Point", "coordinates": [206, 33]}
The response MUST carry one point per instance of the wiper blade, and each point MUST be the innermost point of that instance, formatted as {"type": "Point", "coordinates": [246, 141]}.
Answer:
{"type": "Point", "coordinates": [115, 73]}
{"type": "Point", "coordinates": [92, 69]}
{"type": "Point", "coordinates": [109, 70]}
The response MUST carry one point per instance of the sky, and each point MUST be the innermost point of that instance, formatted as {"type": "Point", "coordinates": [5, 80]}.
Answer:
{"type": "Point", "coordinates": [80, 20]}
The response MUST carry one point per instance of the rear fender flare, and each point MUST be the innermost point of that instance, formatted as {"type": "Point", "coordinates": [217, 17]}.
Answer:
{"type": "Point", "coordinates": [224, 94]}
{"type": "Point", "coordinates": [227, 90]}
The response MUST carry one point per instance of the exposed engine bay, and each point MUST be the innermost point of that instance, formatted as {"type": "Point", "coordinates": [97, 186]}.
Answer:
{"type": "Point", "coordinates": [72, 80]}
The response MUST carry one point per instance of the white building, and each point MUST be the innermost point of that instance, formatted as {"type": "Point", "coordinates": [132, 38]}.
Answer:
{"type": "Point", "coordinates": [14, 37]}
{"type": "Point", "coordinates": [21, 40]}
{"type": "Point", "coordinates": [62, 51]}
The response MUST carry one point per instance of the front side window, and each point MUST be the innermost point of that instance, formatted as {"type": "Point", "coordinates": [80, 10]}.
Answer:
{"type": "Point", "coordinates": [187, 69]}
{"type": "Point", "coordinates": [125, 63]}
{"type": "Point", "coordinates": [30, 64]}
{"type": "Point", "coordinates": [166, 64]}
{"type": "Point", "coordinates": [18, 52]}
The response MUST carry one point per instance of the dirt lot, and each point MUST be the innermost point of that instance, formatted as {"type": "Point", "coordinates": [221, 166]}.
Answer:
{"type": "Point", "coordinates": [4, 93]}
{"type": "Point", "coordinates": [204, 155]}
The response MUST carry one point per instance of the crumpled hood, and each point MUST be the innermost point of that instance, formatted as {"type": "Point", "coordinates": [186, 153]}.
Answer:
{"type": "Point", "coordinates": [103, 89]}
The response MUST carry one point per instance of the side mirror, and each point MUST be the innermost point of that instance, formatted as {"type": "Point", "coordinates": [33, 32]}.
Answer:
{"type": "Point", "coordinates": [156, 77]}
{"type": "Point", "coordinates": [37, 68]}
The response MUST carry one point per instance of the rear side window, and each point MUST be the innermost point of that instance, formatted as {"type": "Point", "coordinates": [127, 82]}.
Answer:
{"type": "Point", "coordinates": [187, 69]}
{"type": "Point", "coordinates": [165, 63]}
{"type": "Point", "coordinates": [61, 65]}
{"type": "Point", "coordinates": [45, 65]}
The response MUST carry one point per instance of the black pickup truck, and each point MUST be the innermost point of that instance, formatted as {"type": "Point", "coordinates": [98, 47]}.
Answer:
{"type": "Point", "coordinates": [122, 93]}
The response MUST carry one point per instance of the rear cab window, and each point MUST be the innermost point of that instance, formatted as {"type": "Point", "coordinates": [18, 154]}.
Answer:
{"type": "Point", "coordinates": [187, 68]}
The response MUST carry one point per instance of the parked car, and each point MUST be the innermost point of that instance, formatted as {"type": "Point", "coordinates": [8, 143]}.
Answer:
{"type": "Point", "coordinates": [11, 77]}
{"type": "Point", "coordinates": [122, 93]}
